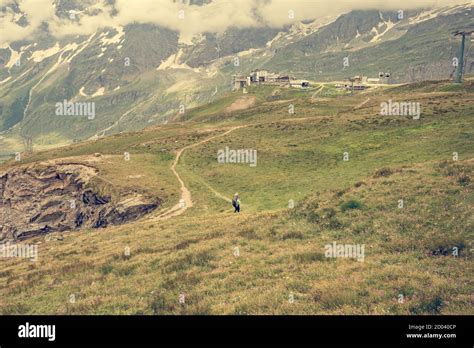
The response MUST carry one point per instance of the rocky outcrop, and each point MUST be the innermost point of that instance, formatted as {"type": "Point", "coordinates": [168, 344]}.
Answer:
{"type": "Point", "coordinates": [40, 199]}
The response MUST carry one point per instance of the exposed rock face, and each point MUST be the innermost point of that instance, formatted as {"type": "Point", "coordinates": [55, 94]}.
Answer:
{"type": "Point", "coordinates": [42, 199]}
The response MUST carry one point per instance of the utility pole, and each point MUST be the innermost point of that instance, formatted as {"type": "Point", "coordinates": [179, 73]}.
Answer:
{"type": "Point", "coordinates": [460, 69]}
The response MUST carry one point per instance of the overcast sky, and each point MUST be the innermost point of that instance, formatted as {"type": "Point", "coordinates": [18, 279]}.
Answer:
{"type": "Point", "coordinates": [214, 17]}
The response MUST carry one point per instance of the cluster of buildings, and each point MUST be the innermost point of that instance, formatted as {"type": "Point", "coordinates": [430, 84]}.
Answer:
{"type": "Point", "coordinates": [360, 82]}
{"type": "Point", "coordinates": [265, 77]}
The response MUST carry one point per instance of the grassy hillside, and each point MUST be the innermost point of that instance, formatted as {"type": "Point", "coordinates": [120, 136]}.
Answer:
{"type": "Point", "coordinates": [270, 259]}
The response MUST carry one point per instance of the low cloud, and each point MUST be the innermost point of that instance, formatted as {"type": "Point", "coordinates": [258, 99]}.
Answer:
{"type": "Point", "coordinates": [37, 12]}
{"type": "Point", "coordinates": [216, 16]}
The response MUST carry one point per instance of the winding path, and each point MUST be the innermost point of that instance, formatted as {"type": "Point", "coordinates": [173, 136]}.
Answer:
{"type": "Point", "coordinates": [186, 201]}
{"type": "Point", "coordinates": [362, 104]}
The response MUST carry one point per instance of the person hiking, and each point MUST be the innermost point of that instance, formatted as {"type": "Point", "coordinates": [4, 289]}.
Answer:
{"type": "Point", "coordinates": [236, 203]}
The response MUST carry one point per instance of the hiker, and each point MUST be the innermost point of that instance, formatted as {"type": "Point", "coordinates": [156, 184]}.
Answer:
{"type": "Point", "coordinates": [236, 203]}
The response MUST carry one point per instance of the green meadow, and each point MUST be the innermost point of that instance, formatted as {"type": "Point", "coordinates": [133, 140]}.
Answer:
{"type": "Point", "coordinates": [399, 186]}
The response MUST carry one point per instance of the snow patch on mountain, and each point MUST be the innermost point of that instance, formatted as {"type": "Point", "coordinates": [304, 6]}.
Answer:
{"type": "Point", "coordinates": [389, 25]}
{"type": "Point", "coordinates": [70, 47]}
{"type": "Point", "coordinates": [276, 38]}
{"type": "Point", "coordinates": [174, 62]}
{"type": "Point", "coordinates": [99, 92]}
{"type": "Point", "coordinates": [17, 17]}
{"type": "Point", "coordinates": [17, 78]}
{"type": "Point", "coordinates": [83, 46]}
{"type": "Point", "coordinates": [114, 39]}
{"type": "Point", "coordinates": [299, 30]}
{"type": "Point", "coordinates": [424, 16]}
{"type": "Point", "coordinates": [5, 80]}
{"type": "Point", "coordinates": [81, 92]}
{"type": "Point", "coordinates": [40, 55]}
{"type": "Point", "coordinates": [248, 52]}
{"type": "Point", "coordinates": [74, 13]}
{"type": "Point", "coordinates": [14, 56]}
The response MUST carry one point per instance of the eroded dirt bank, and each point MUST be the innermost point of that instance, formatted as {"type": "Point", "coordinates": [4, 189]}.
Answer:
{"type": "Point", "coordinates": [45, 198]}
